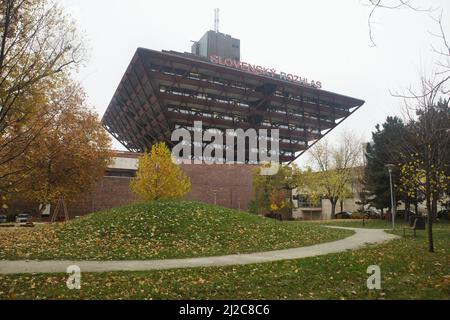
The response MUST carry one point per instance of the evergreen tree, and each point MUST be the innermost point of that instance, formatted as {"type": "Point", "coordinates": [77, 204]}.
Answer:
{"type": "Point", "coordinates": [385, 149]}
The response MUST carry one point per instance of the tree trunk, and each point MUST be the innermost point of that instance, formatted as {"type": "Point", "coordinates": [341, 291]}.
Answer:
{"type": "Point", "coordinates": [430, 235]}
{"type": "Point", "coordinates": [333, 207]}
{"type": "Point", "coordinates": [407, 208]}
{"type": "Point", "coordinates": [434, 208]}
{"type": "Point", "coordinates": [342, 205]}
{"type": "Point", "coordinates": [430, 223]}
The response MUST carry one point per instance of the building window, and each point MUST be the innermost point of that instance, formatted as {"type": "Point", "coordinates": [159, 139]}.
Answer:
{"type": "Point", "coordinates": [120, 173]}
{"type": "Point", "coordinates": [303, 201]}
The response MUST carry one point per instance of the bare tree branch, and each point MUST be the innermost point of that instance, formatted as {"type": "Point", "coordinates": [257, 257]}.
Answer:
{"type": "Point", "coordinates": [390, 5]}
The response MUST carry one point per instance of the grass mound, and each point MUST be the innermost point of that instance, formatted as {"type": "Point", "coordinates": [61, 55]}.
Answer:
{"type": "Point", "coordinates": [165, 229]}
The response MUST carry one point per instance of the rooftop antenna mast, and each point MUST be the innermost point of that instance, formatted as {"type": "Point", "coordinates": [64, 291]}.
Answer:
{"type": "Point", "coordinates": [216, 19]}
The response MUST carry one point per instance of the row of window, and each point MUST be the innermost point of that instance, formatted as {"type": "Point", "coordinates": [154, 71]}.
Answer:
{"type": "Point", "coordinates": [305, 96]}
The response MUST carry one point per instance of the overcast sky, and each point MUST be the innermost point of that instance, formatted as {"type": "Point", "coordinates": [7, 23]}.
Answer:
{"type": "Point", "coordinates": [325, 40]}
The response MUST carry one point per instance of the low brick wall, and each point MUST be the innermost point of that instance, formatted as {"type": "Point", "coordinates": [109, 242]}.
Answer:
{"type": "Point", "coordinates": [110, 192]}
{"type": "Point", "coordinates": [225, 185]}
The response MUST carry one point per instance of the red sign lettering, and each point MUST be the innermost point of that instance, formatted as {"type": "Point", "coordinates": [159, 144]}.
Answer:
{"type": "Point", "coordinates": [259, 70]}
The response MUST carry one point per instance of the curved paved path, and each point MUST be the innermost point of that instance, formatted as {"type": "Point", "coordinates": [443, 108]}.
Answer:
{"type": "Point", "coordinates": [361, 238]}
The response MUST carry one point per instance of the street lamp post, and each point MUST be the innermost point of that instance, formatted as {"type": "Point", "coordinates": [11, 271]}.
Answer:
{"type": "Point", "coordinates": [393, 207]}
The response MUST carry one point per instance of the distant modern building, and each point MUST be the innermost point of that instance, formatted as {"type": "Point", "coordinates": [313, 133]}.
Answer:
{"type": "Point", "coordinates": [163, 91]}
{"type": "Point", "coordinates": [304, 208]}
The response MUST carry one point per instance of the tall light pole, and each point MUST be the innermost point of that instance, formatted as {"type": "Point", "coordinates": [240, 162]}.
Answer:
{"type": "Point", "coordinates": [393, 207]}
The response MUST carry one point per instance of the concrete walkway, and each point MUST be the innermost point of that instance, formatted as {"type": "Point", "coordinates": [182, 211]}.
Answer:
{"type": "Point", "coordinates": [356, 241]}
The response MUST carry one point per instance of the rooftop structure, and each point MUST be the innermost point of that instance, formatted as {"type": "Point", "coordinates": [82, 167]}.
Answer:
{"type": "Point", "coordinates": [217, 43]}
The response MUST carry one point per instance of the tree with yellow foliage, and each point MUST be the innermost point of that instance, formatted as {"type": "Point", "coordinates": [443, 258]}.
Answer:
{"type": "Point", "coordinates": [40, 46]}
{"type": "Point", "coordinates": [277, 200]}
{"type": "Point", "coordinates": [334, 167]}
{"type": "Point", "coordinates": [425, 156]}
{"type": "Point", "coordinates": [272, 192]}
{"type": "Point", "coordinates": [158, 177]}
{"type": "Point", "coordinates": [69, 156]}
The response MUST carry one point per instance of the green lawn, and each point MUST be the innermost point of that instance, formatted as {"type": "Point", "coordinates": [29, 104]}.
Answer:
{"type": "Point", "coordinates": [408, 271]}
{"type": "Point", "coordinates": [376, 223]}
{"type": "Point", "coordinates": [182, 229]}
{"type": "Point", "coordinates": [168, 229]}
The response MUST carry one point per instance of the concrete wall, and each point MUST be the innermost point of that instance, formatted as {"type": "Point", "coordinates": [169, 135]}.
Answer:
{"type": "Point", "coordinates": [307, 214]}
{"type": "Point", "coordinates": [349, 205]}
{"type": "Point", "coordinates": [217, 43]}
{"type": "Point", "coordinates": [324, 212]}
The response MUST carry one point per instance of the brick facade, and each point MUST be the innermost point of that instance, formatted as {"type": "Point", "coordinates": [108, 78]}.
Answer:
{"type": "Point", "coordinates": [225, 185]}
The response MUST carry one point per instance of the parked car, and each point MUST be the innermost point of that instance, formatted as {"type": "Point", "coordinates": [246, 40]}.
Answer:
{"type": "Point", "coordinates": [343, 215]}
{"type": "Point", "coordinates": [22, 217]}
{"type": "Point", "coordinates": [3, 218]}
{"type": "Point", "coordinates": [401, 213]}
{"type": "Point", "coordinates": [372, 213]}
{"type": "Point", "coordinates": [444, 214]}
